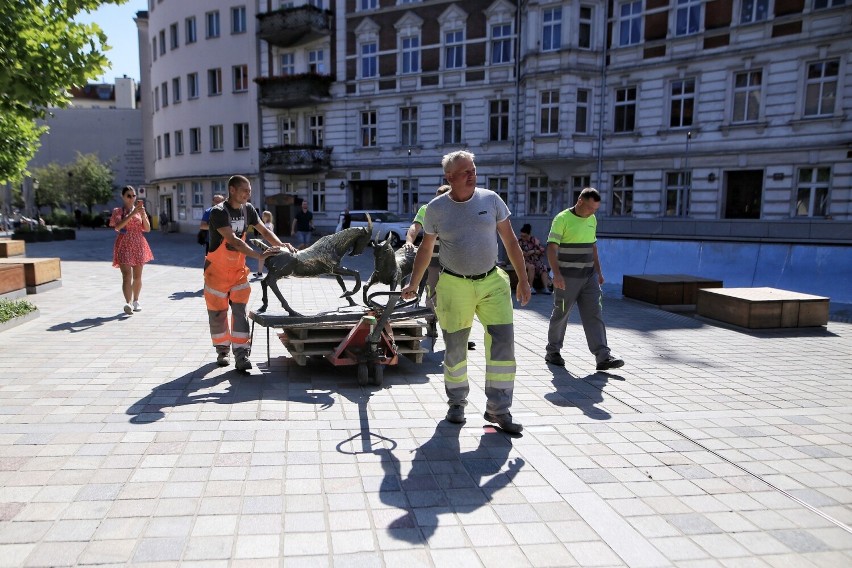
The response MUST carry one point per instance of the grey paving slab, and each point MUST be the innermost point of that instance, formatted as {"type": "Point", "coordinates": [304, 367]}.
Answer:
{"type": "Point", "coordinates": [122, 443]}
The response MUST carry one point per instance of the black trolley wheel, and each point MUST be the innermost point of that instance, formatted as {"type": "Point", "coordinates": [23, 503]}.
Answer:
{"type": "Point", "coordinates": [378, 374]}
{"type": "Point", "coordinates": [362, 374]}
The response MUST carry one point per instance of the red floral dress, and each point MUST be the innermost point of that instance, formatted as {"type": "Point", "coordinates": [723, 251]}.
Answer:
{"type": "Point", "coordinates": [537, 258]}
{"type": "Point", "coordinates": [131, 248]}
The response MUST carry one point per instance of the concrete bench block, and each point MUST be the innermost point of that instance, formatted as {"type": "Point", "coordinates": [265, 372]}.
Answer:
{"type": "Point", "coordinates": [12, 248]}
{"type": "Point", "coordinates": [763, 308]}
{"type": "Point", "coordinates": [666, 289]}
{"type": "Point", "coordinates": [37, 271]}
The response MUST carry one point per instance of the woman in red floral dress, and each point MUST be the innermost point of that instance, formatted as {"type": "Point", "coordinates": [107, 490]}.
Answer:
{"type": "Point", "coordinates": [534, 258]}
{"type": "Point", "coordinates": [131, 250]}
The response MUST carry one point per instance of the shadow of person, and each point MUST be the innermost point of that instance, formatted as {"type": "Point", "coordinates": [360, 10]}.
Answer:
{"type": "Point", "coordinates": [444, 480]}
{"type": "Point", "coordinates": [583, 393]}
{"type": "Point", "coordinates": [85, 324]}
{"type": "Point", "coordinates": [186, 294]}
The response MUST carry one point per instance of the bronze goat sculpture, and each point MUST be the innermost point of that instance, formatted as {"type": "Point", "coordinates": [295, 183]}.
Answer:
{"type": "Point", "coordinates": [391, 268]}
{"type": "Point", "coordinates": [322, 257]}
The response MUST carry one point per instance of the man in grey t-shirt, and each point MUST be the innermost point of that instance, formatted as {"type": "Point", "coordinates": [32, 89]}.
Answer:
{"type": "Point", "coordinates": [466, 220]}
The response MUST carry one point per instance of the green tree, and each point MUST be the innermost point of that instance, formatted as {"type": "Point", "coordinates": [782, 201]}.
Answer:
{"type": "Point", "coordinates": [92, 181]}
{"type": "Point", "coordinates": [43, 53]}
{"type": "Point", "coordinates": [52, 185]}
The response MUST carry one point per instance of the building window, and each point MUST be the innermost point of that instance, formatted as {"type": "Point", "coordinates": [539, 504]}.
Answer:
{"type": "Point", "coordinates": [754, 11]}
{"type": "Point", "coordinates": [549, 113]}
{"type": "Point", "coordinates": [578, 184]}
{"type": "Point", "coordinates": [288, 63]}
{"type": "Point", "coordinates": [747, 87]}
{"type": "Point", "coordinates": [241, 78]}
{"type": "Point", "coordinates": [173, 36]}
{"type": "Point", "coordinates": [584, 28]}
{"type": "Point", "coordinates": [409, 189]}
{"type": "Point", "coordinates": [622, 194]}
{"type": "Point", "coordinates": [159, 148]}
{"type": "Point", "coordinates": [316, 129]}
{"type": "Point", "coordinates": [154, 48]}
{"type": "Point", "coordinates": [501, 44]}
{"type": "Point", "coordinates": [167, 145]}
{"type": "Point", "coordinates": [368, 4]}
{"type": "Point", "coordinates": [408, 126]}
{"type": "Point", "coordinates": [164, 93]}
{"type": "Point", "coordinates": [192, 85]}
{"type": "Point", "coordinates": [538, 198]}
{"type": "Point", "coordinates": [176, 90]}
{"type": "Point", "coordinates": [178, 142]}
{"type": "Point", "coordinates": [500, 186]}
{"type": "Point", "coordinates": [452, 123]}
{"type": "Point", "coordinates": [156, 98]}
{"type": "Point", "coordinates": [682, 103]}
{"type": "Point", "coordinates": [212, 19]}
{"type": "Point", "coordinates": [217, 138]}
{"type": "Point", "coordinates": [316, 4]}
{"type": "Point", "coordinates": [194, 140]}
{"type": "Point", "coordinates": [369, 60]}
{"type": "Point", "coordinates": [821, 88]}
{"type": "Point", "coordinates": [688, 17]}
{"type": "Point", "coordinates": [551, 30]}
{"type": "Point", "coordinates": [625, 109]}
{"type": "Point", "coordinates": [214, 82]}
{"type": "Point", "coordinates": [454, 49]}
{"type": "Point", "coordinates": [410, 54]}
{"type": "Point", "coordinates": [630, 23]}
{"type": "Point", "coordinates": [677, 194]}
{"type": "Point", "coordinates": [287, 130]}
{"type": "Point", "coordinates": [498, 120]}
{"type": "Point", "coordinates": [181, 193]}
{"type": "Point", "coordinates": [238, 20]}
{"type": "Point", "coordinates": [198, 194]}
{"type": "Point", "coordinates": [316, 61]}
{"type": "Point", "coordinates": [581, 118]}
{"type": "Point", "coordinates": [318, 196]}
{"type": "Point", "coordinates": [162, 42]}
{"type": "Point", "coordinates": [812, 192]}
{"type": "Point", "coordinates": [191, 32]}
{"type": "Point", "coordinates": [241, 135]}
{"type": "Point", "coordinates": [368, 129]}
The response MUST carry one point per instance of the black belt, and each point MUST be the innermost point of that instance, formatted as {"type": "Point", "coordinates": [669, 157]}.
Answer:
{"type": "Point", "coordinates": [472, 277]}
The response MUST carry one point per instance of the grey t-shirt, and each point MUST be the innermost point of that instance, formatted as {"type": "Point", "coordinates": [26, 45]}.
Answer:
{"type": "Point", "coordinates": [467, 230]}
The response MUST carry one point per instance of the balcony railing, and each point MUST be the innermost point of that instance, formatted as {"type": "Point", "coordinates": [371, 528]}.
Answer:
{"type": "Point", "coordinates": [289, 27]}
{"type": "Point", "coordinates": [289, 91]}
{"type": "Point", "coordinates": [295, 159]}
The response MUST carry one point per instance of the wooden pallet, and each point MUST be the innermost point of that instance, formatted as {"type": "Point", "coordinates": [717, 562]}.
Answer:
{"type": "Point", "coordinates": [304, 341]}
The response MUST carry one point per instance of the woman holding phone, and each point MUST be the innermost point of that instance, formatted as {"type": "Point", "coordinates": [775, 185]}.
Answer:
{"type": "Point", "coordinates": [131, 250]}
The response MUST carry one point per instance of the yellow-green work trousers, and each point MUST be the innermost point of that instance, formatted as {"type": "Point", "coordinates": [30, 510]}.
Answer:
{"type": "Point", "coordinates": [490, 299]}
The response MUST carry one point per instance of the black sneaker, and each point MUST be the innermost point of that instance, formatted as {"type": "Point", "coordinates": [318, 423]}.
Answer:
{"type": "Point", "coordinates": [610, 363]}
{"type": "Point", "coordinates": [555, 359]}
{"type": "Point", "coordinates": [456, 414]}
{"type": "Point", "coordinates": [504, 422]}
{"type": "Point", "coordinates": [223, 359]}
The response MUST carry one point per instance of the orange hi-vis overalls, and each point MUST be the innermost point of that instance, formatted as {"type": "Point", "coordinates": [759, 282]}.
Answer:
{"type": "Point", "coordinates": [226, 282]}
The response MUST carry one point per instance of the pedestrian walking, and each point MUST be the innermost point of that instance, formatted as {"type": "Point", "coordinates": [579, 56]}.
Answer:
{"type": "Point", "coordinates": [303, 226]}
{"type": "Point", "coordinates": [131, 250]}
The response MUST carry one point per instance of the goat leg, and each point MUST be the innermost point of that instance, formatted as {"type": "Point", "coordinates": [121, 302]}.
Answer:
{"type": "Point", "coordinates": [274, 285]}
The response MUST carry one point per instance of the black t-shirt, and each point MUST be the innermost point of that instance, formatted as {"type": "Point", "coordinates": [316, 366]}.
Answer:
{"type": "Point", "coordinates": [239, 220]}
{"type": "Point", "coordinates": [303, 221]}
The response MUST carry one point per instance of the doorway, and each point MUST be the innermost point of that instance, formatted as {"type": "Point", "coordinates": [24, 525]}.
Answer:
{"type": "Point", "coordinates": [744, 194]}
{"type": "Point", "coordinates": [371, 194]}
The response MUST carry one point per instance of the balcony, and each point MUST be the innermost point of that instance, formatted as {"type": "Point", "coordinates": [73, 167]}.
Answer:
{"type": "Point", "coordinates": [289, 91]}
{"type": "Point", "coordinates": [290, 27]}
{"type": "Point", "coordinates": [295, 159]}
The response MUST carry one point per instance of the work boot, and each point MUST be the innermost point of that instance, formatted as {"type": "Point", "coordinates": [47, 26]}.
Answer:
{"type": "Point", "coordinates": [223, 359]}
{"type": "Point", "coordinates": [456, 414]}
{"type": "Point", "coordinates": [555, 359]}
{"type": "Point", "coordinates": [504, 422]}
{"type": "Point", "coordinates": [243, 363]}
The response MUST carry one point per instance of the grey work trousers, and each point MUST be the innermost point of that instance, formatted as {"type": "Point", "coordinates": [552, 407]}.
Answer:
{"type": "Point", "coordinates": [586, 293]}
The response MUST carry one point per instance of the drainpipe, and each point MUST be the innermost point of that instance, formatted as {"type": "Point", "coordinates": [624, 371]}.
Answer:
{"type": "Point", "coordinates": [261, 179]}
{"type": "Point", "coordinates": [518, 129]}
{"type": "Point", "coordinates": [602, 114]}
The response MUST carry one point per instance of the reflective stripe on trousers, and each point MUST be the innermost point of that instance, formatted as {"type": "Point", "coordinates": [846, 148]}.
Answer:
{"type": "Point", "coordinates": [226, 285]}
{"type": "Point", "coordinates": [490, 300]}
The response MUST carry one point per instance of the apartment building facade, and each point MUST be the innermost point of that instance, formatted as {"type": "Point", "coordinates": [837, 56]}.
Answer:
{"type": "Point", "coordinates": [695, 119]}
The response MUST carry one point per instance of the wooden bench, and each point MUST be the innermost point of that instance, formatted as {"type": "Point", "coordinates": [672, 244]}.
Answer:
{"type": "Point", "coordinates": [12, 282]}
{"type": "Point", "coordinates": [763, 308]}
{"type": "Point", "coordinates": [12, 248]}
{"type": "Point", "coordinates": [665, 289]}
{"type": "Point", "coordinates": [40, 274]}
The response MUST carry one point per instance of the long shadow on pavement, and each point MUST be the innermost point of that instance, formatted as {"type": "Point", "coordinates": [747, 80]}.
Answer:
{"type": "Point", "coordinates": [86, 324]}
{"type": "Point", "coordinates": [583, 393]}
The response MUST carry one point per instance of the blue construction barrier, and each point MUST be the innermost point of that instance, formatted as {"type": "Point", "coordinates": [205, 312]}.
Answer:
{"type": "Point", "coordinates": [811, 269]}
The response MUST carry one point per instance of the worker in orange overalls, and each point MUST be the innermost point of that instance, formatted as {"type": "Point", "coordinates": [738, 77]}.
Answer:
{"type": "Point", "coordinates": [226, 273]}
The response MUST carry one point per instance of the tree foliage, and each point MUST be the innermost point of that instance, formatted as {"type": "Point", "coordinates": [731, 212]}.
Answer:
{"type": "Point", "coordinates": [85, 181]}
{"type": "Point", "coordinates": [43, 54]}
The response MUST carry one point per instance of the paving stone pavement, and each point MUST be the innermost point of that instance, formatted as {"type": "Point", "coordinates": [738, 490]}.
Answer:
{"type": "Point", "coordinates": [122, 443]}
